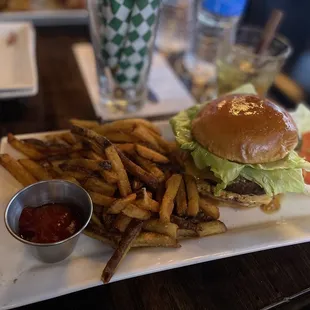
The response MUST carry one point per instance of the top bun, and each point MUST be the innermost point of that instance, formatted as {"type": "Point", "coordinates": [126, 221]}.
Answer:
{"type": "Point", "coordinates": [245, 129]}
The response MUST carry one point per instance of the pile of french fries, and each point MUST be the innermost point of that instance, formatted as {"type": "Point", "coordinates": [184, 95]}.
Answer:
{"type": "Point", "coordinates": [136, 179]}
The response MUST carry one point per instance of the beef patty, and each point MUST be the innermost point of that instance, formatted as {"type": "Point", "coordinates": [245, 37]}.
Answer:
{"type": "Point", "coordinates": [242, 186]}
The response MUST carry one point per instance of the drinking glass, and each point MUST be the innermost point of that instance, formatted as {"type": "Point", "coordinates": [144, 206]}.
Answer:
{"type": "Point", "coordinates": [122, 34]}
{"type": "Point", "coordinates": [237, 63]}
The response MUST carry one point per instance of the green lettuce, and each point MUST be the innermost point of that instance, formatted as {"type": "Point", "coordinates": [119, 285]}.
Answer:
{"type": "Point", "coordinates": [281, 176]}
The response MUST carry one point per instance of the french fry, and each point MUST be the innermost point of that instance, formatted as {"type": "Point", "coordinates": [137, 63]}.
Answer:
{"type": "Point", "coordinates": [84, 172]}
{"type": "Point", "coordinates": [100, 199]}
{"type": "Point", "coordinates": [90, 164]}
{"type": "Point", "coordinates": [99, 237]}
{"type": "Point", "coordinates": [121, 222]}
{"type": "Point", "coordinates": [17, 170]}
{"type": "Point", "coordinates": [151, 239]}
{"type": "Point", "coordinates": [35, 169]}
{"type": "Point", "coordinates": [181, 200]}
{"type": "Point", "coordinates": [136, 184]}
{"type": "Point", "coordinates": [186, 233]}
{"type": "Point", "coordinates": [109, 176]}
{"type": "Point", "coordinates": [150, 167]}
{"type": "Point", "coordinates": [118, 205]}
{"type": "Point", "coordinates": [147, 153]}
{"type": "Point", "coordinates": [138, 172]}
{"type": "Point", "coordinates": [126, 125]}
{"type": "Point", "coordinates": [164, 144]}
{"type": "Point", "coordinates": [91, 155]}
{"type": "Point", "coordinates": [70, 179]}
{"type": "Point", "coordinates": [149, 204]}
{"type": "Point", "coordinates": [160, 191]}
{"type": "Point", "coordinates": [120, 137]}
{"type": "Point", "coordinates": [69, 138]}
{"type": "Point", "coordinates": [143, 135]}
{"type": "Point", "coordinates": [84, 123]}
{"type": "Point", "coordinates": [95, 219]}
{"type": "Point", "coordinates": [209, 209]}
{"type": "Point", "coordinates": [118, 167]}
{"type": "Point", "coordinates": [155, 225]}
{"type": "Point", "coordinates": [210, 228]}
{"type": "Point", "coordinates": [75, 155]}
{"type": "Point", "coordinates": [135, 212]}
{"type": "Point", "coordinates": [167, 204]}
{"type": "Point", "coordinates": [107, 219]}
{"type": "Point", "coordinates": [96, 185]}
{"type": "Point", "coordinates": [78, 175]}
{"type": "Point", "coordinates": [128, 148]}
{"type": "Point", "coordinates": [124, 246]}
{"type": "Point", "coordinates": [25, 148]}
{"type": "Point", "coordinates": [183, 223]}
{"type": "Point", "coordinates": [192, 195]}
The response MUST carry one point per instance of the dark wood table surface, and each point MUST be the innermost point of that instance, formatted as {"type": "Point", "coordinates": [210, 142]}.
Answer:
{"type": "Point", "coordinates": [251, 281]}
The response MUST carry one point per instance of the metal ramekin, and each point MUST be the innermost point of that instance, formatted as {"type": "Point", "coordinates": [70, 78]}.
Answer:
{"type": "Point", "coordinates": [41, 193]}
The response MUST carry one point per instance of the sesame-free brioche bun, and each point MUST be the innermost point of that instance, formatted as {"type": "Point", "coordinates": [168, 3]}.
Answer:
{"type": "Point", "coordinates": [245, 129]}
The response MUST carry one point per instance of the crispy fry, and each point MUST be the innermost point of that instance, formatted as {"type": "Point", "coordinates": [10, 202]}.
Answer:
{"type": "Point", "coordinates": [181, 200]}
{"type": "Point", "coordinates": [160, 191]}
{"type": "Point", "coordinates": [135, 212]}
{"type": "Point", "coordinates": [164, 144]}
{"type": "Point", "coordinates": [95, 235]}
{"type": "Point", "coordinates": [150, 167]}
{"type": "Point", "coordinates": [192, 195]}
{"type": "Point", "coordinates": [138, 172]}
{"type": "Point", "coordinates": [120, 137]}
{"type": "Point", "coordinates": [147, 204]}
{"type": "Point", "coordinates": [128, 148]}
{"type": "Point", "coordinates": [124, 246]}
{"type": "Point", "coordinates": [91, 155]}
{"type": "Point", "coordinates": [81, 171]}
{"type": "Point", "coordinates": [209, 208]}
{"type": "Point", "coordinates": [118, 167]}
{"type": "Point", "coordinates": [166, 207]}
{"type": "Point", "coordinates": [25, 148]}
{"type": "Point", "coordinates": [211, 228]}
{"type": "Point", "coordinates": [96, 185]}
{"type": "Point", "coordinates": [126, 124]}
{"type": "Point", "coordinates": [143, 135]}
{"type": "Point", "coordinates": [151, 239]}
{"type": "Point", "coordinates": [100, 199]}
{"type": "Point", "coordinates": [35, 169]}
{"type": "Point", "coordinates": [78, 175]}
{"type": "Point", "coordinates": [122, 221]}
{"type": "Point", "coordinates": [91, 164]}
{"type": "Point", "coordinates": [147, 153]}
{"type": "Point", "coordinates": [70, 179]}
{"type": "Point", "coordinates": [110, 176]}
{"type": "Point", "coordinates": [183, 223]}
{"type": "Point", "coordinates": [75, 155]}
{"type": "Point", "coordinates": [17, 170]}
{"type": "Point", "coordinates": [186, 233]}
{"type": "Point", "coordinates": [69, 138]}
{"type": "Point", "coordinates": [84, 123]}
{"type": "Point", "coordinates": [155, 225]}
{"type": "Point", "coordinates": [118, 205]}
{"type": "Point", "coordinates": [136, 184]}
{"type": "Point", "coordinates": [95, 219]}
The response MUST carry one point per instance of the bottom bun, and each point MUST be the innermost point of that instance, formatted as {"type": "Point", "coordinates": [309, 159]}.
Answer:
{"type": "Point", "coordinates": [232, 198]}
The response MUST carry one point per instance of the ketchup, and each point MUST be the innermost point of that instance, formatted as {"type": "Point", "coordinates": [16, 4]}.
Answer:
{"type": "Point", "coordinates": [49, 223]}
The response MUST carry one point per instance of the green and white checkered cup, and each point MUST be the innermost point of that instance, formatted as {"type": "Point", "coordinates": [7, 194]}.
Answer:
{"type": "Point", "coordinates": [123, 33]}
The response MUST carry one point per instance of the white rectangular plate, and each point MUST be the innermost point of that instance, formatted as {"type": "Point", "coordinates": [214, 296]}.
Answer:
{"type": "Point", "coordinates": [24, 280]}
{"type": "Point", "coordinates": [18, 75]}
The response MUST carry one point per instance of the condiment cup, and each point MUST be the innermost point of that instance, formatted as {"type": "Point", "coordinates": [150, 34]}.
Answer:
{"type": "Point", "coordinates": [41, 193]}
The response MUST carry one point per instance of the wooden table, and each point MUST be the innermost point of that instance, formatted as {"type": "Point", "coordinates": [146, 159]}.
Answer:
{"type": "Point", "coordinates": [246, 282]}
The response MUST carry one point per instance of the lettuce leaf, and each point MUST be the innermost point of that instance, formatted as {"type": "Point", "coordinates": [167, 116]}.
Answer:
{"type": "Point", "coordinates": [276, 177]}
{"type": "Point", "coordinates": [276, 181]}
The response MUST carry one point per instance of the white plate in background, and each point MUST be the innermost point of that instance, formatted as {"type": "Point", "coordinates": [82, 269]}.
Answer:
{"type": "Point", "coordinates": [18, 68]}
{"type": "Point", "coordinates": [24, 279]}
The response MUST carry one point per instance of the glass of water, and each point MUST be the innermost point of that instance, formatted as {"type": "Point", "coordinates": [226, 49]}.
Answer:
{"type": "Point", "coordinates": [122, 34]}
{"type": "Point", "coordinates": [237, 63]}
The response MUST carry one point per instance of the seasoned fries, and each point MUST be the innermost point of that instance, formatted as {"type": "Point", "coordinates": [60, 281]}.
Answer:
{"type": "Point", "coordinates": [118, 167]}
{"type": "Point", "coordinates": [17, 170]}
{"type": "Point", "coordinates": [130, 235]}
{"type": "Point", "coordinates": [141, 185]}
{"type": "Point", "coordinates": [167, 204]}
{"type": "Point", "coordinates": [193, 196]}
{"type": "Point", "coordinates": [151, 155]}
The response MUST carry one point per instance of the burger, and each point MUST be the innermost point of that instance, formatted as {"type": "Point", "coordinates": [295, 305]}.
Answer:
{"type": "Point", "coordinates": [242, 149]}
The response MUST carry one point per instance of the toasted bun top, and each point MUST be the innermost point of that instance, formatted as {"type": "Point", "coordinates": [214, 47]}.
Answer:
{"type": "Point", "coordinates": [245, 129]}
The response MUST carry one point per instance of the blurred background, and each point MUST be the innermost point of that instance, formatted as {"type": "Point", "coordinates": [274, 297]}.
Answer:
{"type": "Point", "coordinates": [177, 36]}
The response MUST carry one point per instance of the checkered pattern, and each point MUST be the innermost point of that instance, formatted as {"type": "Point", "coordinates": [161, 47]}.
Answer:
{"type": "Point", "coordinates": [127, 34]}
